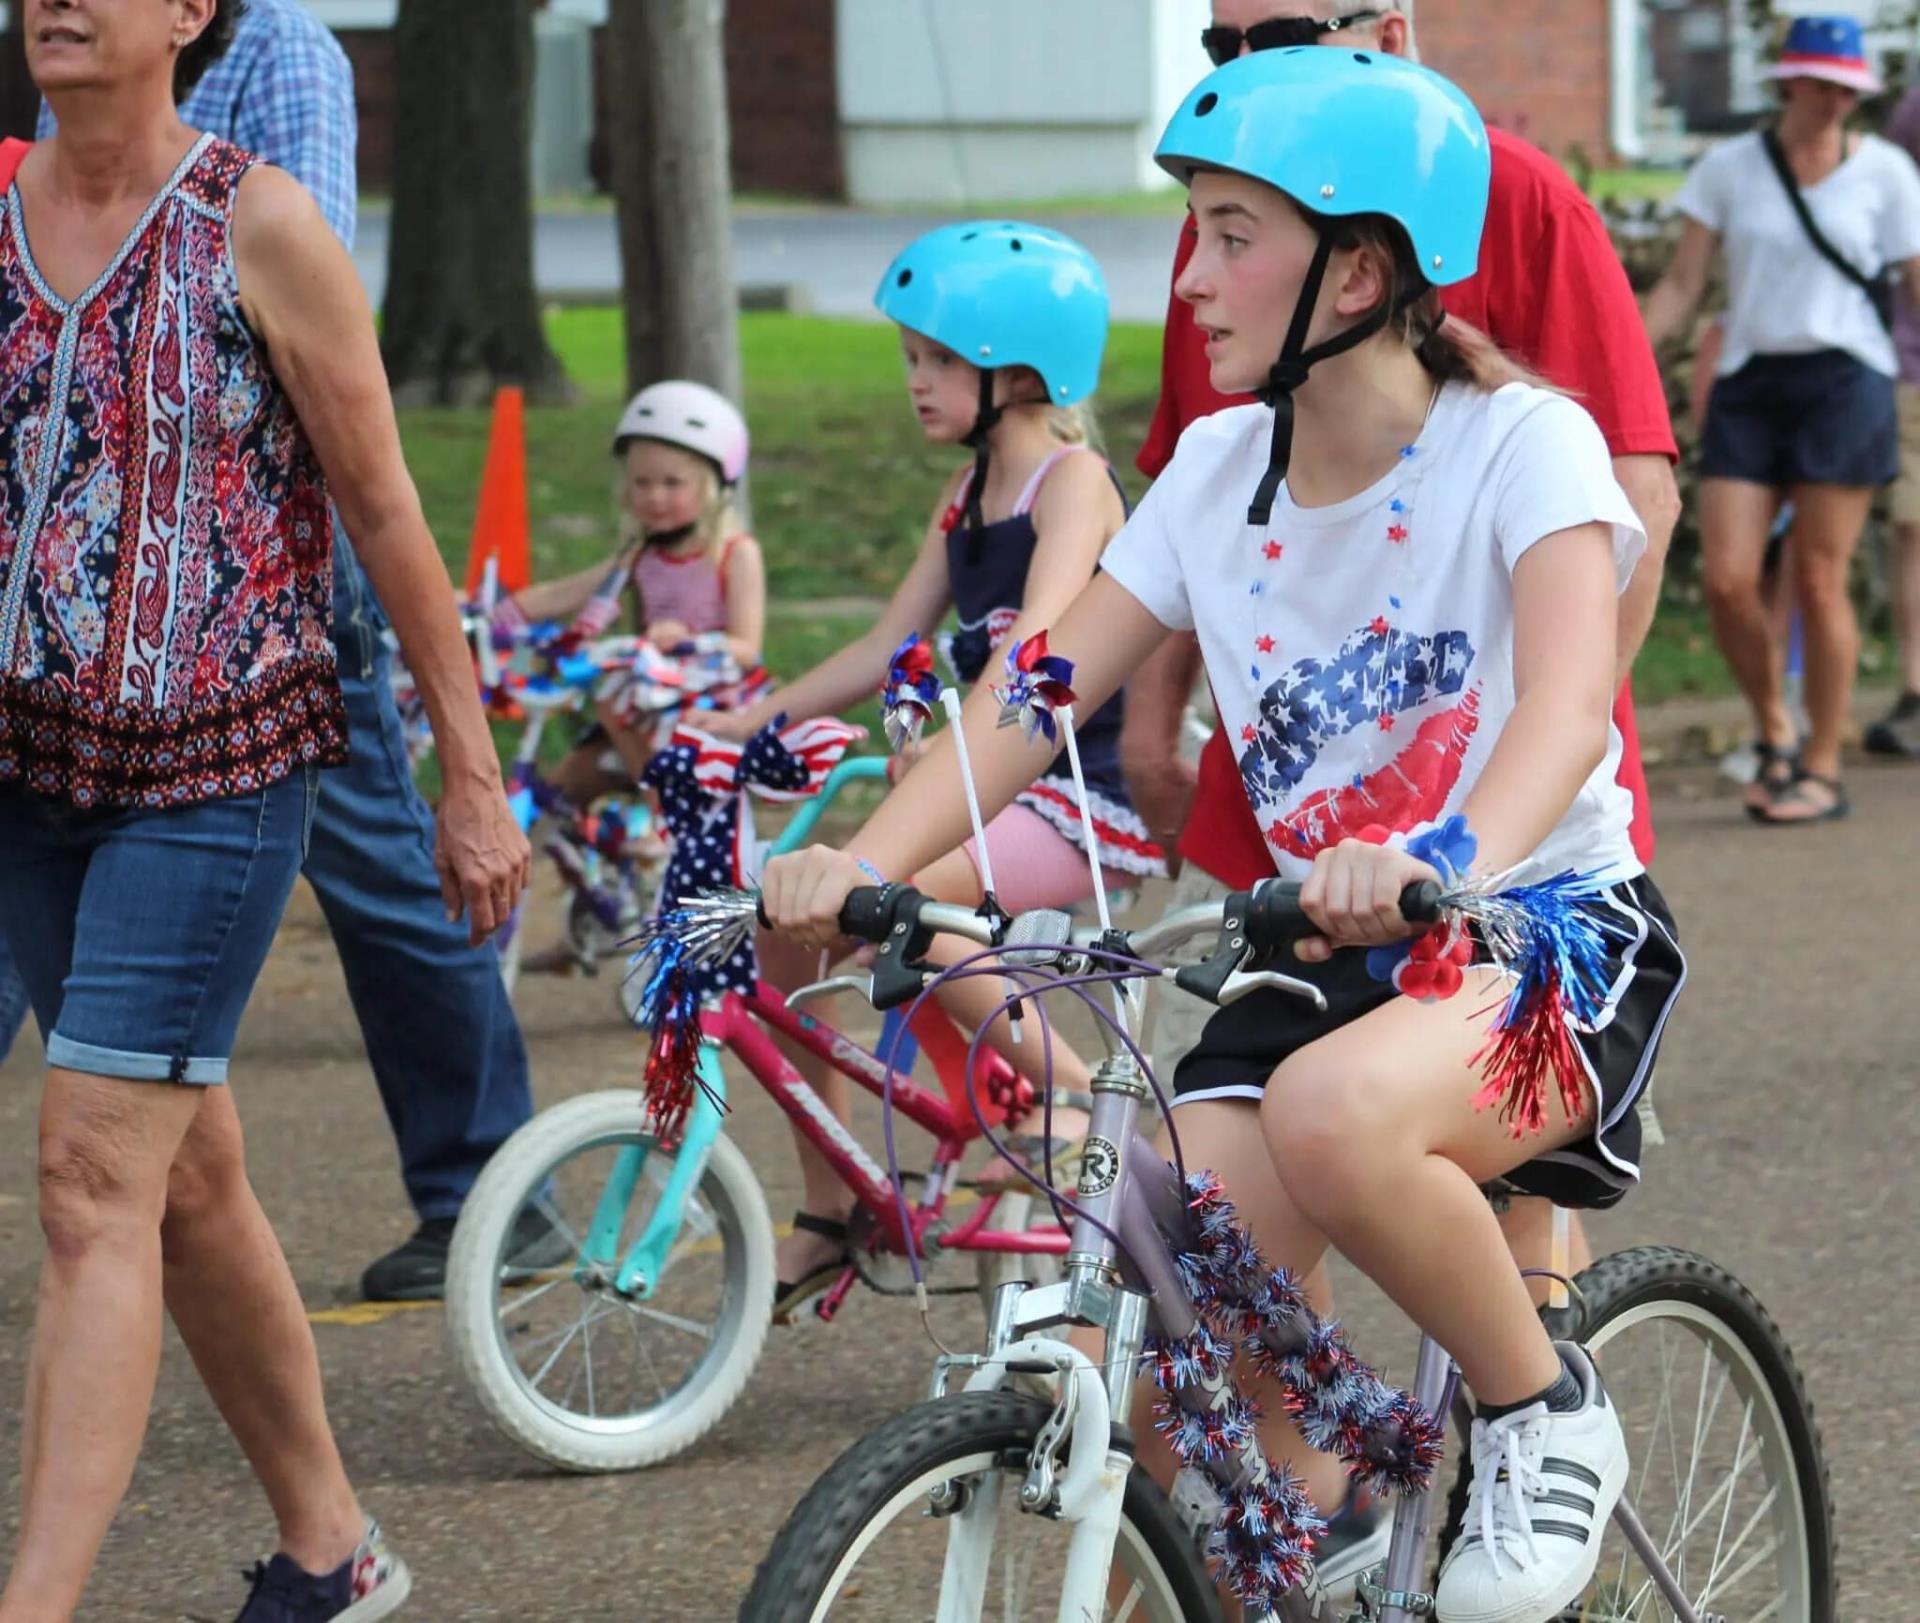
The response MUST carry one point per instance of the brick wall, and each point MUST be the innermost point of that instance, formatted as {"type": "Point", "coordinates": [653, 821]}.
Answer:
{"type": "Point", "coordinates": [1539, 68]}
{"type": "Point", "coordinates": [781, 95]}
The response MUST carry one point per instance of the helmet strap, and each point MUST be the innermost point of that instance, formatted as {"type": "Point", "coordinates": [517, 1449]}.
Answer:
{"type": "Point", "coordinates": [1296, 360]}
{"type": "Point", "coordinates": [986, 418]}
{"type": "Point", "coordinates": [668, 538]}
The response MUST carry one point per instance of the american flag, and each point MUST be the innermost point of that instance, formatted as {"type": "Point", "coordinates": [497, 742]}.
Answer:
{"type": "Point", "coordinates": [1379, 672]}
{"type": "Point", "coordinates": [812, 749]}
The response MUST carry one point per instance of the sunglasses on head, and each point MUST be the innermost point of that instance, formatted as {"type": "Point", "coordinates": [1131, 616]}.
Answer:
{"type": "Point", "coordinates": [1222, 45]}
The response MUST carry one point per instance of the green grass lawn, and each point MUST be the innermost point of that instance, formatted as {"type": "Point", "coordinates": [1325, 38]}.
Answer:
{"type": "Point", "coordinates": [842, 479]}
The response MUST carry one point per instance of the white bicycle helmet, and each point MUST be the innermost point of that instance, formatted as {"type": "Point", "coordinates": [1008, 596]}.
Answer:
{"type": "Point", "coordinates": [691, 416]}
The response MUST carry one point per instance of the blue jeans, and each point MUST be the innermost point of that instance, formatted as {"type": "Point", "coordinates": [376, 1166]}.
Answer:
{"type": "Point", "coordinates": [13, 1000]}
{"type": "Point", "coordinates": [441, 1035]}
{"type": "Point", "coordinates": [140, 932]}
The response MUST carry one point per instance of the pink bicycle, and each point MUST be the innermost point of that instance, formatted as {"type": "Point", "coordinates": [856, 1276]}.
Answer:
{"type": "Point", "coordinates": [629, 1354]}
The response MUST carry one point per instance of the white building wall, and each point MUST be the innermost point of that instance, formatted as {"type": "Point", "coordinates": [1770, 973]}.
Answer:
{"type": "Point", "coordinates": [948, 101]}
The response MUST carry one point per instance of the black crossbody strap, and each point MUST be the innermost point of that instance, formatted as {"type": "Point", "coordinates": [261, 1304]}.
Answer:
{"type": "Point", "coordinates": [1878, 293]}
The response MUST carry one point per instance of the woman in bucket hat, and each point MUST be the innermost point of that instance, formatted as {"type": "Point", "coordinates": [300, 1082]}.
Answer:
{"type": "Point", "coordinates": [1815, 223]}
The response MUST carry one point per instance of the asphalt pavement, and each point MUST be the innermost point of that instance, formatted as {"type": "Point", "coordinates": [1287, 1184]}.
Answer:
{"type": "Point", "coordinates": [1787, 1087]}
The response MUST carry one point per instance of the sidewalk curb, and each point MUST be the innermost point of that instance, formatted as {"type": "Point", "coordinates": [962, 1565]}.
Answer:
{"type": "Point", "coordinates": [1687, 732]}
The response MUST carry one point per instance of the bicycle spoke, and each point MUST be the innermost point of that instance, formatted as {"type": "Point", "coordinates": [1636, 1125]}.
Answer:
{"type": "Point", "coordinates": [522, 1300]}
{"type": "Point", "coordinates": [1726, 1512]}
{"type": "Point", "coordinates": [673, 1321]}
{"type": "Point", "coordinates": [545, 1206]}
{"type": "Point", "coordinates": [640, 1345]}
{"type": "Point", "coordinates": [1733, 1578]}
{"type": "Point", "coordinates": [586, 1360]}
{"type": "Point", "coordinates": [587, 1315]}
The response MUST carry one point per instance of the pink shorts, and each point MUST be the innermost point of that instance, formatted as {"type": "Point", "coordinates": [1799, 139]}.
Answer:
{"type": "Point", "coordinates": [1035, 865]}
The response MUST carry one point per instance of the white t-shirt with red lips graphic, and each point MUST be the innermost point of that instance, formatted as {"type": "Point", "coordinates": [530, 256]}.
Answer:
{"type": "Point", "coordinates": [1362, 653]}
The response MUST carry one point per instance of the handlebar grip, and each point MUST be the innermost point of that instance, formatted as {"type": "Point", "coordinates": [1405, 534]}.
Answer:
{"type": "Point", "coordinates": [1420, 902]}
{"type": "Point", "coordinates": [866, 914]}
{"type": "Point", "coordinates": [1275, 918]}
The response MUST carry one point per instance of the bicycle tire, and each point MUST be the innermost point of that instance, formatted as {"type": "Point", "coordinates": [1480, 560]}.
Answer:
{"type": "Point", "coordinates": [1628, 1282]}
{"type": "Point", "coordinates": [518, 1169]}
{"type": "Point", "coordinates": [868, 1478]}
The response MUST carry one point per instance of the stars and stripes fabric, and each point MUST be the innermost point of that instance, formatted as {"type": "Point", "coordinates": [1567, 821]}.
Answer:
{"type": "Point", "coordinates": [779, 763]}
{"type": "Point", "coordinates": [703, 783]}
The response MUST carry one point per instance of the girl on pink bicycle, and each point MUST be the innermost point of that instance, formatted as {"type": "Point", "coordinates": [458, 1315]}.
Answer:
{"type": "Point", "coordinates": [1401, 567]}
{"type": "Point", "coordinates": [684, 554]}
{"type": "Point", "coordinates": [1002, 328]}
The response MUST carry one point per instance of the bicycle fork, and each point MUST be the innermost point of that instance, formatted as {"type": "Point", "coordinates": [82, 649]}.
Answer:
{"type": "Point", "coordinates": [645, 1261]}
{"type": "Point", "coordinates": [1088, 1492]}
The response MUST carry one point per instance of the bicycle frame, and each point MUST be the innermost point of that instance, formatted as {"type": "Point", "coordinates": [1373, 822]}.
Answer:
{"type": "Point", "coordinates": [741, 1025]}
{"type": "Point", "coordinates": [1138, 1198]}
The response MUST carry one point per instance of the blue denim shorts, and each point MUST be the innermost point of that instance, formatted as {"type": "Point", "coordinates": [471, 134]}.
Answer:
{"type": "Point", "coordinates": [140, 933]}
{"type": "Point", "coordinates": [1785, 420]}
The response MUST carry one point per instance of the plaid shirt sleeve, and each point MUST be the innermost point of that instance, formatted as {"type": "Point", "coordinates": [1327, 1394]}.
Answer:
{"type": "Point", "coordinates": [297, 111]}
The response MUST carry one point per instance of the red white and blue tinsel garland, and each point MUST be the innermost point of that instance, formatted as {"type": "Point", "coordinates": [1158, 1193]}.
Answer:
{"type": "Point", "coordinates": [1549, 937]}
{"type": "Point", "coordinates": [1266, 1529]}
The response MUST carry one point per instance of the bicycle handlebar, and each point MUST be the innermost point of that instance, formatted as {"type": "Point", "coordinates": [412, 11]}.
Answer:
{"type": "Point", "coordinates": [1253, 927]}
{"type": "Point", "coordinates": [854, 769]}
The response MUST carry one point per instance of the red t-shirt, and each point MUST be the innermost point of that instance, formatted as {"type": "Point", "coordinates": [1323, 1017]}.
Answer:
{"type": "Point", "coordinates": [1552, 292]}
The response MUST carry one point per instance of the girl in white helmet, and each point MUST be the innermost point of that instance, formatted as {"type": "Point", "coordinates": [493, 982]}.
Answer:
{"type": "Point", "coordinates": [684, 555]}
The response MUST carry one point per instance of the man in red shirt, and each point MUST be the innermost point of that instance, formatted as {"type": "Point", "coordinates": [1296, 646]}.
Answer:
{"type": "Point", "coordinates": [1550, 291]}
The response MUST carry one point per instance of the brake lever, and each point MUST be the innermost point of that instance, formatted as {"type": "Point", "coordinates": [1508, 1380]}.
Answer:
{"type": "Point", "coordinates": [831, 987]}
{"type": "Point", "coordinates": [1241, 982]}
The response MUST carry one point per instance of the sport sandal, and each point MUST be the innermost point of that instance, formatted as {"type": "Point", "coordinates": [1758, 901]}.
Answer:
{"type": "Point", "coordinates": [789, 1295]}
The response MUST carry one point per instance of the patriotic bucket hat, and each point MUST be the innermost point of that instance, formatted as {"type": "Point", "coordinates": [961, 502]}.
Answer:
{"type": "Point", "coordinates": [1830, 48]}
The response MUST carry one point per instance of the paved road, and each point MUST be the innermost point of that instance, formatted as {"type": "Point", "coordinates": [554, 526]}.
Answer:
{"type": "Point", "coordinates": [833, 256]}
{"type": "Point", "coordinates": [1788, 1086]}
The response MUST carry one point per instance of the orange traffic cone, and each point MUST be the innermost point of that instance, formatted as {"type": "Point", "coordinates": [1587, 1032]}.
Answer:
{"type": "Point", "coordinates": [500, 526]}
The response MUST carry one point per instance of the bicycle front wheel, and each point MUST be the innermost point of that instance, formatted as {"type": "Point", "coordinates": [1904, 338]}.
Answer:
{"type": "Point", "coordinates": [868, 1542]}
{"type": "Point", "coordinates": [579, 1372]}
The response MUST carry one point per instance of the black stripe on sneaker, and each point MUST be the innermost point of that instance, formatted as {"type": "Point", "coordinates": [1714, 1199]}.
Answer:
{"type": "Point", "coordinates": [1578, 1531]}
{"type": "Point", "coordinates": [1571, 1468]}
{"type": "Point", "coordinates": [1566, 1500]}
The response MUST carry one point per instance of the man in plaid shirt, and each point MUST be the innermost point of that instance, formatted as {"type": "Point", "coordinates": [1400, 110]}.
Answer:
{"type": "Point", "coordinates": [441, 1035]}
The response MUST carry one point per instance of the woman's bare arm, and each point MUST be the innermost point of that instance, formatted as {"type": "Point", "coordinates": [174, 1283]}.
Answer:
{"type": "Point", "coordinates": [300, 292]}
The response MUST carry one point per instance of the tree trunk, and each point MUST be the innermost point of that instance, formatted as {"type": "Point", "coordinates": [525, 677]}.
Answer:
{"type": "Point", "coordinates": [462, 317]}
{"type": "Point", "coordinates": [670, 182]}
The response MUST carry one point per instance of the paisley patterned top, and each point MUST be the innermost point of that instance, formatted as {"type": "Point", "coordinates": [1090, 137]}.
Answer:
{"type": "Point", "coordinates": [165, 540]}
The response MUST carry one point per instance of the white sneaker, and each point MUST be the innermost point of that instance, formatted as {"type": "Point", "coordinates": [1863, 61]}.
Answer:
{"type": "Point", "coordinates": [1543, 1487]}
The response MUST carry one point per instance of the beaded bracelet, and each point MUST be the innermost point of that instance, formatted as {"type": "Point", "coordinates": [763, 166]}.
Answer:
{"type": "Point", "coordinates": [871, 871]}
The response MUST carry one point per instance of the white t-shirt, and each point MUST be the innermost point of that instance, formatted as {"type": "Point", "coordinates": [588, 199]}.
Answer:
{"type": "Point", "coordinates": [1783, 298]}
{"type": "Point", "coordinates": [1362, 653]}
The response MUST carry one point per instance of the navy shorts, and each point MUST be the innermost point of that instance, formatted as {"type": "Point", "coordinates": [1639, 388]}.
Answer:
{"type": "Point", "coordinates": [1242, 1045]}
{"type": "Point", "coordinates": [140, 933]}
{"type": "Point", "coordinates": [1821, 419]}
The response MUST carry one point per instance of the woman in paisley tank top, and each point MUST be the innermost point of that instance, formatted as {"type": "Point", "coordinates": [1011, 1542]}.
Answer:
{"type": "Point", "coordinates": [189, 376]}
{"type": "Point", "coordinates": [1002, 327]}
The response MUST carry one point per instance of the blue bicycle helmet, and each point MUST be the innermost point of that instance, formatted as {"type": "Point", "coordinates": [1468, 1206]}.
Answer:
{"type": "Point", "coordinates": [1000, 293]}
{"type": "Point", "coordinates": [1343, 133]}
